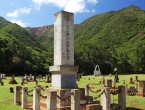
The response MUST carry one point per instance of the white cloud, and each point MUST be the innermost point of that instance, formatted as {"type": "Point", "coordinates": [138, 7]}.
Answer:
{"type": "Point", "coordinates": [19, 22]}
{"type": "Point", "coordinates": [24, 10]}
{"type": "Point", "coordinates": [19, 11]}
{"type": "Point", "coordinates": [93, 10]}
{"type": "Point", "coordinates": [59, 3]}
{"type": "Point", "coordinates": [75, 6]}
{"type": "Point", "coordinates": [13, 14]}
{"type": "Point", "coordinates": [92, 1]}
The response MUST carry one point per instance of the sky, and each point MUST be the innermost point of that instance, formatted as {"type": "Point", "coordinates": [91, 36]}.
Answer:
{"type": "Point", "coordinates": [37, 13]}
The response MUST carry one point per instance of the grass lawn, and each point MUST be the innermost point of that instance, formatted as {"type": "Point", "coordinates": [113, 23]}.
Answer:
{"type": "Point", "coordinates": [133, 102]}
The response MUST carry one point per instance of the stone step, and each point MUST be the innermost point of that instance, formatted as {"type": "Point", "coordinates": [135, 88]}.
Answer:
{"type": "Point", "coordinates": [64, 108]}
{"type": "Point", "coordinates": [43, 105]}
{"type": "Point", "coordinates": [93, 107]}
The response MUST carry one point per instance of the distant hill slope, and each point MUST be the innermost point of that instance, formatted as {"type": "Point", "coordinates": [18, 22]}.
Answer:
{"type": "Point", "coordinates": [20, 51]}
{"type": "Point", "coordinates": [112, 29]}
{"type": "Point", "coordinates": [119, 34]}
{"type": "Point", "coordinates": [18, 33]}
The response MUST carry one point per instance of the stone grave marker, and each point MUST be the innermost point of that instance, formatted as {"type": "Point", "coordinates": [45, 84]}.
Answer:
{"type": "Point", "coordinates": [131, 81]}
{"type": "Point", "coordinates": [35, 76]}
{"type": "Point", "coordinates": [2, 76]}
{"type": "Point", "coordinates": [13, 81]}
{"type": "Point", "coordinates": [136, 78]}
{"type": "Point", "coordinates": [116, 78]}
{"type": "Point", "coordinates": [31, 77]}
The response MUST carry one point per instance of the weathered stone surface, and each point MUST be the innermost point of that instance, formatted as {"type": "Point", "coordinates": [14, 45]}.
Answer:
{"type": "Point", "coordinates": [60, 69]}
{"type": "Point", "coordinates": [63, 71]}
{"type": "Point", "coordinates": [24, 97]}
{"type": "Point", "coordinates": [36, 98]}
{"type": "Point", "coordinates": [51, 100]}
{"type": "Point", "coordinates": [17, 94]}
{"type": "Point", "coordinates": [75, 99]}
{"type": "Point", "coordinates": [122, 98]}
{"type": "Point", "coordinates": [64, 38]}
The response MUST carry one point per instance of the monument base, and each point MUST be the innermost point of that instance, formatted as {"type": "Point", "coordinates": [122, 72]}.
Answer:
{"type": "Point", "coordinates": [63, 76]}
{"type": "Point", "coordinates": [64, 81]}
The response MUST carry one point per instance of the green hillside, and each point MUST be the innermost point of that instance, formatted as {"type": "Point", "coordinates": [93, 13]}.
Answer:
{"type": "Point", "coordinates": [113, 40]}
{"type": "Point", "coordinates": [20, 52]}
{"type": "Point", "coordinates": [120, 34]}
{"type": "Point", "coordinates": [46, 39]}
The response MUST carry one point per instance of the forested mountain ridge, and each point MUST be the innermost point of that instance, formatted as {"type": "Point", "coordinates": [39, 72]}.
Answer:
{"type": "Point", "coordinates": [20, 52]}
{"type": "Point", "coordinates": [113, 39]}
{"type": "Point", "coordinates": [120, 34]}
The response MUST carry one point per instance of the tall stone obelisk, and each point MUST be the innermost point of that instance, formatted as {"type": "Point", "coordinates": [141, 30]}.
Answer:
{"type": "Point", "coordinates": [63, 71]}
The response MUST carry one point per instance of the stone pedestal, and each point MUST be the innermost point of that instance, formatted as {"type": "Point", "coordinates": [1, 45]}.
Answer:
{"type": "Point", "coordinates": [63, 76]}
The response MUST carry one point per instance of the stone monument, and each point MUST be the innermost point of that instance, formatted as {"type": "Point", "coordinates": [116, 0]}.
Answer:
{"type": "Point", "coordinates": [64, 71]}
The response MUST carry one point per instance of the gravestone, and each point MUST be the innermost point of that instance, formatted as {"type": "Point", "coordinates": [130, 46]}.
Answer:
{"type": "Point", "coordinates": [26, 75]}
{"type": "Point", "coordinates": [2, 76]}
{"type": "Point", "coordinates": [13, 81]}
{"type": "Point", "coordinates": [31, 77]}
{"type": "Point", "coordinates": [136, 78]}
{"type": "Point", "coordinates": [48, 79]}
{"type": "Point", "coordinates": [35, 76]}
{"type": "Point", "coordinates": [131, 81]}
{"type": "Point", "coordinates": [27, 79]}
{"type": "Point", "coordinates": [141, 91]}
{"type": "Point", "coordinates": [116, 78]}
{"type": "Point", "coordinates": [22, 82]}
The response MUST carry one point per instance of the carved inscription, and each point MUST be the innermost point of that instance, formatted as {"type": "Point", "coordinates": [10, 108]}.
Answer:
{"type": "Point", "coordinates": [67, 38]}
{"type": "Point", "coordinates": [68, 80]}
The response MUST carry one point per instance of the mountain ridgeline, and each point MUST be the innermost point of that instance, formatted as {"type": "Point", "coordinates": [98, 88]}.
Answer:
{"type": "Point", "coordinates": [20, 52]}
{"type": "Point", "coordinates": [114, 39]}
